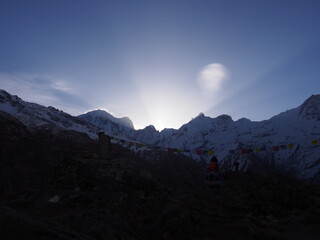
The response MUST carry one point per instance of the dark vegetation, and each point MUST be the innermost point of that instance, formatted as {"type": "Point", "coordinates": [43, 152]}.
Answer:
{"type": "Point", "coordinates": [53, 185]}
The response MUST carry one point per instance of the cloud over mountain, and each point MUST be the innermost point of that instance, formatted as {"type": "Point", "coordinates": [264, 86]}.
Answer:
{"type": "Point", "coordinates": [211, 77]}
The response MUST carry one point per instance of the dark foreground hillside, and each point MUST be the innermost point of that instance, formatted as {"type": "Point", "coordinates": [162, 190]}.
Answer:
{"type": "Point", "coordinates": [54, 186]}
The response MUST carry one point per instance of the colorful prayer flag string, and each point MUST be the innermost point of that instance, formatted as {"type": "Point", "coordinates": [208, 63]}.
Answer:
{"type": "Point", "coordinates": [211, 152]}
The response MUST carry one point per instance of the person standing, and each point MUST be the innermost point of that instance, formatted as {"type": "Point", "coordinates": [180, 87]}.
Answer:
{"type": "Point", "coordinates": [213, 166]}
{"type": "Point", "coordinates": [213, 178]}
{"type": "Point", "coordinates": [212, 169]}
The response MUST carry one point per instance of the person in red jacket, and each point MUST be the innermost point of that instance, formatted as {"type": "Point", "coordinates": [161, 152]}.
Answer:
{"type": "Point", "coordinates": [213, 167]}
{"type": "Point", "coordinates": [213, 178]}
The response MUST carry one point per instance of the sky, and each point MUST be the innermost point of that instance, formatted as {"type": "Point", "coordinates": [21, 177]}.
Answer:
{"type": "Point", "coordinates": [162, 62]}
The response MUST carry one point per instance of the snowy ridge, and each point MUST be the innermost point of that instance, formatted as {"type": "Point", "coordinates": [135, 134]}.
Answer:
{"type": "Point", "coordinates": [35, 115]}
{"type": "Point", "coordinates": [299, 126]}
{"type": "Point", "coordinates": [106, 121]}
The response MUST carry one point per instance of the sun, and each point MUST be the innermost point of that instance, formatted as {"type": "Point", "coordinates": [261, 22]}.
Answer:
{"type": "Point", "coordinates": [170, 107]}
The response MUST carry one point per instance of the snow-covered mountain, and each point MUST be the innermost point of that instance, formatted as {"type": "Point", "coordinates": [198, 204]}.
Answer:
{"type": "Point", "coordinates": [37, 116]}
{"type": "Point", "coordinates": [108, 122]}
{"type": "Point", "coordinates": [298, 126]}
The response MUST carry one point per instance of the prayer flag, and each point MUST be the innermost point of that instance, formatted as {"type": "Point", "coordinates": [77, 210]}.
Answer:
{"type": "Point", "coordinates": [210, 152]}
{"type": "Point", "coordinates": [204, 152]}
{"type": "Point", "coordinates": [172, 149]}
{"type": "Point", "coordinates": [275, 148]}
{"type": "Point", "coordinates": [198, 152]}
{"type": "Point", "coordinates": [244, 151]}
{"type": "Point", "coordinates": [256, 150]}
{"type": "Point", "coordinates": [315, 142]}
{"type": "Point", "coordinates": [290, 146]}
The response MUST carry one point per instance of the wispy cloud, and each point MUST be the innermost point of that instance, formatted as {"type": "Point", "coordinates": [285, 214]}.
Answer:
{"type": "Point", "coordinates": [44, 90]}
{"type": "Point", "coordinates": [62, 86]}
{"type": "Point", "coordinates": [211, 77]}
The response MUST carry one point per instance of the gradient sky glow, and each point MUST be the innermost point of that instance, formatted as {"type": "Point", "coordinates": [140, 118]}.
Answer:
{"type": "Point", "coordinates": [162, 62]}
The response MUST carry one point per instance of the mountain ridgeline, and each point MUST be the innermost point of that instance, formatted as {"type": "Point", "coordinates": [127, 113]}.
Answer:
{"type": "Point", "coordinates": [55, 185]}
{"type": "Point", "coordinates": [298, 126]}
{"type": "Point", "coordinates": [106, 121]}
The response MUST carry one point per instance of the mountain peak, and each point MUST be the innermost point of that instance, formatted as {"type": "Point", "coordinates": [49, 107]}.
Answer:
{"type": "Point", "coordinates": [244, 120]}
{"type": "Point", "coordinates": [313, 99]}
{"type": "Point", "coordinates": [311, 107]}
{"type": "Point", "coordinates": [99, 113]}
{"type": "Point", "coordinates": [225, 117]}
{"type": "Point", "coordinates": [6, 96]}
{"type": "Point", "coordinates": [151, 127]}
{"type": "Point", "coordinates": [105, 120]}
{"type": "Point", "coordinates": [200, 115]}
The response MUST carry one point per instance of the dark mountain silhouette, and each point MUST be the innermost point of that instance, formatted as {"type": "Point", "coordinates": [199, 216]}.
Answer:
{"type": "Point", "coordinates": [53, 185]}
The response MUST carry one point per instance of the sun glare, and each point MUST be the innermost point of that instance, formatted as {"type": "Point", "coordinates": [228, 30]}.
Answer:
{"type": "Point", "coordinates": [171, 107]}
{"type": "Point", "coordinates": [169, 100]}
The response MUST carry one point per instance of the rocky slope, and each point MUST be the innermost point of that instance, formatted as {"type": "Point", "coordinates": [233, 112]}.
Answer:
{"type": "Point", "coordinates": [27, 153]}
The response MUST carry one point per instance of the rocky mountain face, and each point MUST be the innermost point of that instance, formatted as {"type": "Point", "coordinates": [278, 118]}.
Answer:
{"type": "Point", "coordinates": [106, 121]}
{"type": "Point", "coordinates": [298, 126]}
{"type": "Point", "coordinates": [310, 109]}
{"type": "Point", "coordinates": [50, 189]}
{"type": "Point", "coordinates": [37, 116]}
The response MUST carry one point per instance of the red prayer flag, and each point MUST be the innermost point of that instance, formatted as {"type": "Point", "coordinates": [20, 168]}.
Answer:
{"type": "Point", "coordinates": [244, 151]}
{"type": "Point", "coordinates": [172, 149]}
{"type": "Point", "coordinates": [276, 148]}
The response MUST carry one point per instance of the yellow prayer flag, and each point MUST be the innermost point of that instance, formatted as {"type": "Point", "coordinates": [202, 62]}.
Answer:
{"type": "Point", "coordinates": [256, 150]}
{"type": "Point", "coordinates": [315, 142]}
{"type": "Point", "coordinates": [290, 146]}
{"type": "Point", "coordinates": [210, 152]}
{"type": "Point", "coordinates": [180, 150]}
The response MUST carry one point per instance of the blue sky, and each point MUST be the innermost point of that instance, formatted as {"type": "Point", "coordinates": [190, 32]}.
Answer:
{"type": "Point", "coordinates": [162, 62]}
